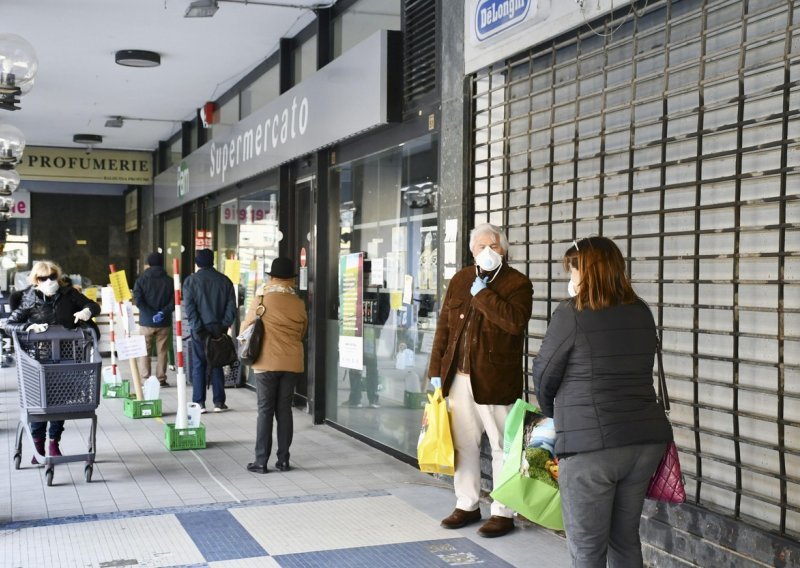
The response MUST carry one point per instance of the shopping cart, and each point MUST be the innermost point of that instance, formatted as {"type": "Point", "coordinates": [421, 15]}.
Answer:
{"type": "Point", "coordinates": [58, 374]}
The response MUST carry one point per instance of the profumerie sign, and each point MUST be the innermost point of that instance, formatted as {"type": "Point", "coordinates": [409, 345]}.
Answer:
{"type": "Point", "coordinates": [350, 95]}
{"type": "Point", "coordinates": [75, 165]}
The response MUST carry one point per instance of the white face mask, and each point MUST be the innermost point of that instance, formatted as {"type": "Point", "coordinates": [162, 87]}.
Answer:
{"type": "Point", "coordinates": [48, 287]}
{"type": "Point", "coordinates": [488, 259]}
{"type": "Point", "coordinates": [571, 289]}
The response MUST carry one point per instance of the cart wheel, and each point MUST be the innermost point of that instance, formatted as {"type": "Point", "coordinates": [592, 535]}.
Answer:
{"type": "Point", "coordinates": [17, 460]}
{"type": "Point", "coordinates": [87, 473]}
{"type": "Point", "coordinates": [49, 474]}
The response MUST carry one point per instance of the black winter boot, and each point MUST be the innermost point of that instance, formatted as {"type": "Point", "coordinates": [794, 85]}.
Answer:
{"type": "Point", "coordinates": [38, 443]}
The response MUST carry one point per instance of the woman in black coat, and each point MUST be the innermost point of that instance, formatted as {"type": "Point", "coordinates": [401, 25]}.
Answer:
{"type": "Point", "coordinates": [48, 301]}
{"type": "Point", "coordinates": [594, 376]}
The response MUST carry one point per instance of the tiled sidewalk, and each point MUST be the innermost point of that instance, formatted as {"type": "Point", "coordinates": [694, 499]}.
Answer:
{"type": "Point", "coordinates": [343, 504]}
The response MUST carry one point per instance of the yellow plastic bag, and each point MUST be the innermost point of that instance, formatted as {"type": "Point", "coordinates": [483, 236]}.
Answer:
{"type": "Point", "coordinates": [435, 451]}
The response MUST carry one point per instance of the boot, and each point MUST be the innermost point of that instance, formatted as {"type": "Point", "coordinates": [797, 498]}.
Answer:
{"type": "Point", "coordinates": [38, 443]}
{"type": "Point", "coordinates": [53, 450]}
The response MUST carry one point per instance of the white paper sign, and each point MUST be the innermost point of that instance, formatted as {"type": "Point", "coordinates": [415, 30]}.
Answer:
{"type": "Point", "coordinates": [107, 301]}
{"type": "Point", "coordinates": [449, 253]}
{"type": "Point", "coordinates": [376, 276]}
{"type": "Point", "coordinates": [130, 347]}
{"type": "Point", "coordinates": [351, 352]}
{"type": "Point", "coordinates": [303, 278]}
{"type": "Point", "coordinates": [407, 289]}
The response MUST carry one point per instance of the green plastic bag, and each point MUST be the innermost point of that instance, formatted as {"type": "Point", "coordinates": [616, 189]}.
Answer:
{"type": "Point", "coordinates": [531, 498]}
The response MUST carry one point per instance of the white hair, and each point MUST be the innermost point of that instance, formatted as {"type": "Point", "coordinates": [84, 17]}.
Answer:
{"type": "Point", "coordinates": [488, 229]}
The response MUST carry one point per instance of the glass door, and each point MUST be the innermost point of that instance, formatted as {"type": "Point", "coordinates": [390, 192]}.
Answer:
{"type": "Point", "coordinates": [303, 257]}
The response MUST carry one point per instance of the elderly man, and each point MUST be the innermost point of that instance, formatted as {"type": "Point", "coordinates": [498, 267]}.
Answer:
{"type": "Point", "coordinates": [477, 353]}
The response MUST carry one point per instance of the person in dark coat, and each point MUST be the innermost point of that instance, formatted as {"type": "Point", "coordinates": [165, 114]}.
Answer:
{"type": "Point", "coordinates": [210, 304]}
{"type": "Point", "coordinates": [48, 301]}
{"type": "Point", "coordinates": [478, 352]}
{"type": "Point", "coordinates": [594, 376]}
{"type": "Point", "coordinates": [154, 295]}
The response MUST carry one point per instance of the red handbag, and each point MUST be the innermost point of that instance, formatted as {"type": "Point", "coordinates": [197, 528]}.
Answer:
{"type": "Point", "coordinates": [667, 482]}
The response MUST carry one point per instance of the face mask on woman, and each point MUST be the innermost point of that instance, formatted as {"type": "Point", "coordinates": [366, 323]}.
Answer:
{"type": "Point", "coordinates": [48, 287]}
{"type": "Point", "coordinates": [571, 289]}
{"type": "Point", "coordinates": [488, 259]}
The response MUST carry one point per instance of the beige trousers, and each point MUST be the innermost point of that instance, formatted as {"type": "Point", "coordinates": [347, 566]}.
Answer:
{"type": "Point", "coordinates": [468, 421]}
{"type": "Point", "coordinates": [161, 335]}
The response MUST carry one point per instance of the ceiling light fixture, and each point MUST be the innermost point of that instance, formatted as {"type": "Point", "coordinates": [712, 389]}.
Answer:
{"type": "Point", "coordinates": [88, 140]}
{"type": "Point", "coordinates": [201, 9]}
{"type": "Point", "coordinates": [207, 8]}
{"type": "Point", "coordinates": [137, 58]}
{"type": "Point", "coordinates": [115, 122]}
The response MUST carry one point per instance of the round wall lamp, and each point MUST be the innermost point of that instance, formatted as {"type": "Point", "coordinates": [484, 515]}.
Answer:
{"type": "Point", "coordinates": [137, 58]}
{"type": "Point", "coordinates": [18, 64]}
{"type": "Point", "coordinates": [12, 145]}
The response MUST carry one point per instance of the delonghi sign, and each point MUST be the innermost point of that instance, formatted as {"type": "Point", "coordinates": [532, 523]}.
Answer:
{"type": "Point", "coordinates": [495, 30]}
{"type": "Point", "coordinates": [348, 96]}
{"type": "Point", "coordinates": [494, 16]}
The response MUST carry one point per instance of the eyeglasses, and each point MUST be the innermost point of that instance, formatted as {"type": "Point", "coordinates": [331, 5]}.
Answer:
{"type": "Point", "coordinates": [53, 276]}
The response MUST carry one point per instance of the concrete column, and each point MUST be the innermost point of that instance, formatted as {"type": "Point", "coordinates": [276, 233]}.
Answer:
{"type": "Point", "coordinates": [453, 166]}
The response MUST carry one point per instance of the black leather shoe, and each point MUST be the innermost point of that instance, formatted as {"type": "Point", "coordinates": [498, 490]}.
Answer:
{"type": "Point", "coordinates": [282, 466]}
{"type": "Point", "coordinates": [255, 468]}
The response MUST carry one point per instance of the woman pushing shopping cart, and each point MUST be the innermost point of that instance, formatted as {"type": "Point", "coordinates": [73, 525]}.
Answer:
{"type": "Point", "coordinates": [58, 365]}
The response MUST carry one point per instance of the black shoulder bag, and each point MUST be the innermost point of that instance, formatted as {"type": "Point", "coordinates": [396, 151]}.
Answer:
{"type": "Point", "coordinates": [253, 337]}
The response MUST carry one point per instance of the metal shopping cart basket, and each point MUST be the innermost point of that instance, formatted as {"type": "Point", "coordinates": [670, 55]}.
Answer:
{"type": "Point", "coordinates": [58, 374]}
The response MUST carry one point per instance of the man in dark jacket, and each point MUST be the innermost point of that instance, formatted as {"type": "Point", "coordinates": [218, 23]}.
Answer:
{"type": "Point", "coordinates": [477, 353]}
{"type": "Point", "coordinates": [210, 305]}
{"type": "Point", "coordinates": [154, 295]}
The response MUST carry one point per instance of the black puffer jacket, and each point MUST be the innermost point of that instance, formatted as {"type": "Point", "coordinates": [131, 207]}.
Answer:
{"type": "Point", "coordinates": [594, 376]}
{"type": "Point", "coordinates": [58, 309]}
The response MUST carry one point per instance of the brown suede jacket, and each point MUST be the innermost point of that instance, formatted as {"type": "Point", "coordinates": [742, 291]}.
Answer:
{"type": "Point", "coordinates": [498, 317]}
{"type": "Point", "coordinates": [285, 323]}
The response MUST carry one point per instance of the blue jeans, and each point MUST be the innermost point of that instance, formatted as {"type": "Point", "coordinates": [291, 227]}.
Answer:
{"type": "Point", "coordinates": [199, 375]}
{"type": "Point", "coordinates": [38, 430]}
{"type": "Point", "coordinates": [602, 495]}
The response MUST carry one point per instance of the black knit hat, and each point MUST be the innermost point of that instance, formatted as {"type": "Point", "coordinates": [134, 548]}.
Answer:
{"type": "Point", "coordinates": [282, 267]}
{"type": "Point", "coordinates": [204, 258]}
{"type": "Point", "coordinates": [155, 259]}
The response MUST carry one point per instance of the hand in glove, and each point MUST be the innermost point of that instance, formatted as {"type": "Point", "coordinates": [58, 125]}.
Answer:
{"type": "Point", "coordinates": [478, 285]}
{"type": "Point", "coordinates": [37, 327]}
{"type": "Point", "coordinates": [158, 317]}
{"type": "Point", "coordinates": [84, 315]}
{"type": "Point", "coordinates": [436, 382]}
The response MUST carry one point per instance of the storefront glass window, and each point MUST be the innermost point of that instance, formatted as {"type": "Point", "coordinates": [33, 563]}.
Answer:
{"type": "Point", "coordinates": [247, 242]}
{"type": "Point", "coordinates": [172, 242]}
{"type": "Point", "coordinates": [387, 305]}
{"type": "Point", "coordinates": [15, 255]}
